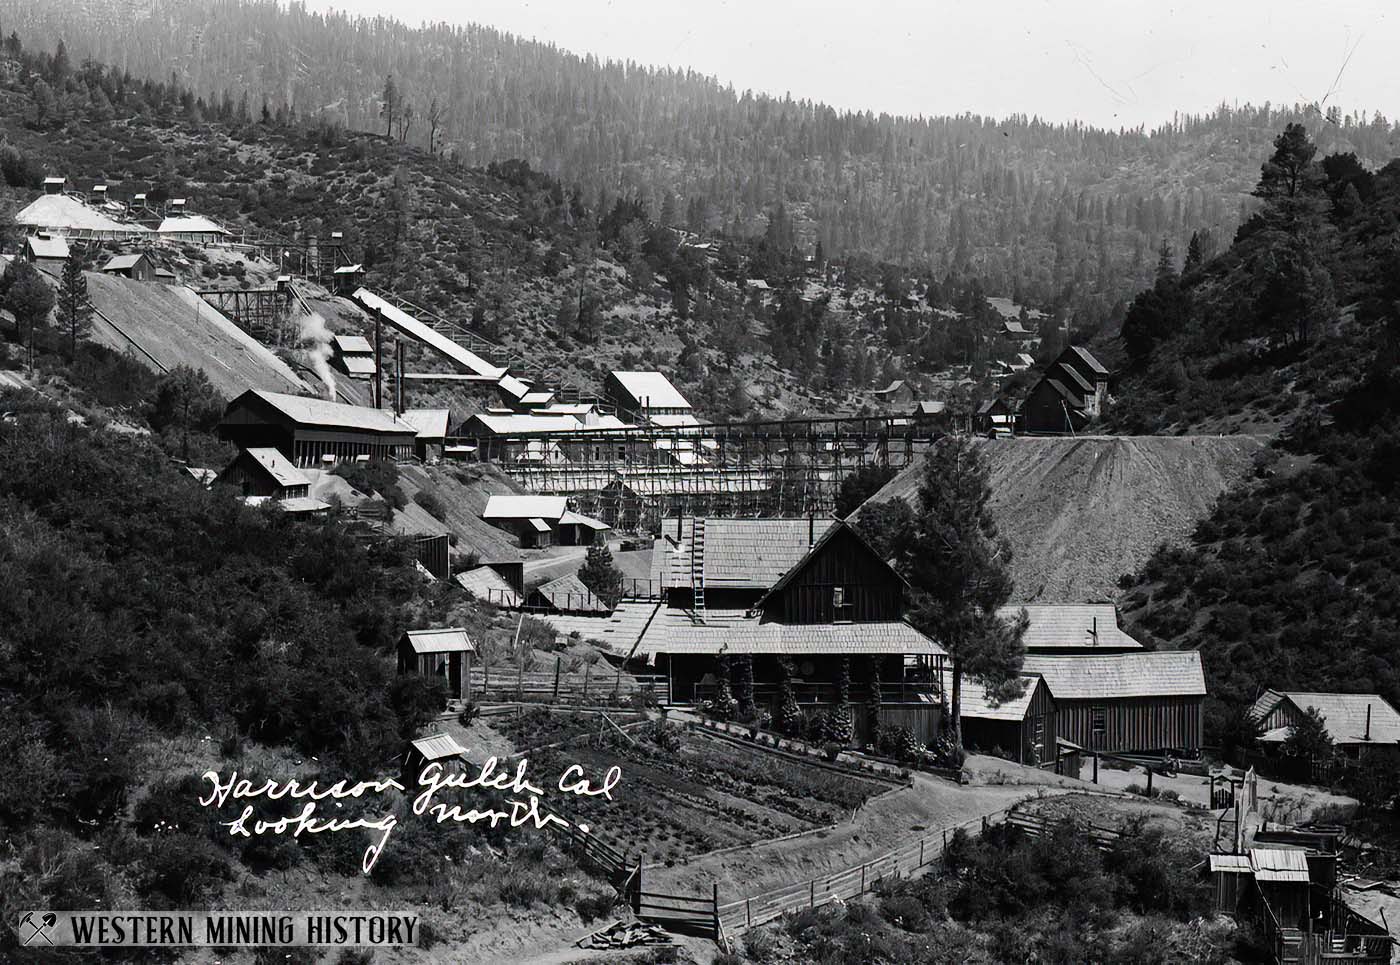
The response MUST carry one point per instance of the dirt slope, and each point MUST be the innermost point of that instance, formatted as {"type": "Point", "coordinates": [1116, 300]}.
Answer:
{"type": "Point", "coordinates": [1081, 512]}
{"type": "Point", "coordinates": [463, 492]}
{"type": "Point", "coordinates": [176, 327]}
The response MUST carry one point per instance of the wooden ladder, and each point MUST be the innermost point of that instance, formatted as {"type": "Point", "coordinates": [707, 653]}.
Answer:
{"type": "Point", "coordinates": [697, 570]}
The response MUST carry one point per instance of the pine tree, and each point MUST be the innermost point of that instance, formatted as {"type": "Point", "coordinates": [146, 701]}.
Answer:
{"type": "Point", "coordinates": [1195, 254]}
{"type": "Point", "coordinates": [957, 568]}
{"type": "Point", "coordinates": [389, 105]}
{"type": "Point", "coordinates": [74, 306]}
{"type": "Point", "coordinates": [872, 705]}
{"type": "Point", "coordinates": [600, 574]}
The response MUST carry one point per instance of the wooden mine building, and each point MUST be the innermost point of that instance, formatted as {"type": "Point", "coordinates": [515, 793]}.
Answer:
{"type": "Point", "coordinates": [313, 432]}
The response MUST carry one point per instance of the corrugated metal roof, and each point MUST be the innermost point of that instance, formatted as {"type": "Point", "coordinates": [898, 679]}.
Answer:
{"type": "Point", "coordinates": [122, 262]}
{"type": "Point", "coordinates": [190, 224]}
{"type": "Point", "coordinates": [486, 584]}
{"type": "Point", "coordinates": [1279, 864]}
{"type": "Point", "coordinates": [572, 518]}
{"type": "Point", "coordinates": [444, 640]}
{"type": "Point", "coordinates": [730, 631]}
{"type": "Point", "coordinates": [1344, 714]}
{"type": "Point", "coordinates": [1165, 673]}
{"type": "Point", "coordinates": [744, 553]}
{"type": "Point", "coordinates": [61, 211]}
{"type": "Point", "coordinates": [651, 389]}
{"type": "Point", "coordinates": [47, 247]}
{"type": "Point", "coordinates": [1088, 359]}
{"type": "Point", "coordinates": [438, 746]}
{"type": "Point", "coordinates": [353, 344]}
{"type": "Point", "coordinates": [320, 412]}
{"type": "Point", "coordinates": [513, 386]}
{"type": "Point", "coordinates": [283, 471]}
{"type": "Point", "coordinates": [1230, 862]}
{"type": "Point", "coordinates": [303, 504]}
{"type": "Point", "coordinates": [358, 364]}
{"type": "Point", "coordinates": [525, 507]}
{"type": "Point", "coordinates": [523, 423]}
{"type": "Point", "coordinates": [430, 423]}
{"type": "Point", "coordinates": [1064, 626]}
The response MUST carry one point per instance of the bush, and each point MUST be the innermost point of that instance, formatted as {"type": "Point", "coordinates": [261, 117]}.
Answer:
{"type": "Point", "coordinates": [431, 502]}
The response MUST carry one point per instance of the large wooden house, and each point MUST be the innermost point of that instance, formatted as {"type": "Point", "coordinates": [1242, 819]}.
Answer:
{"type": "Point", "coordinates": [1127, 702]}
{"type": "Point", "coordinates": [808, 591]}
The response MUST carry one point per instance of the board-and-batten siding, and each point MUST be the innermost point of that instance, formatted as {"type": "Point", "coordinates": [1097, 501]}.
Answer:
{"type": "Point", "coordinates": [1133, 724]}
{"type": "Point", "coordinates": [872, 592]}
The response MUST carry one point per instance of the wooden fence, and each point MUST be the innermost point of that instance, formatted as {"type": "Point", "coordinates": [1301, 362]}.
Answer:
{"type": "Point", "coordinates": [596, 683]}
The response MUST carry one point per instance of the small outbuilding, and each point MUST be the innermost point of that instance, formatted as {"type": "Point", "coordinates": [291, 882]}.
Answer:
{"type": "Point", "coordinates": [263, 471]}
{"type": "Point", "coordinates": [441, 749]}
{"type": "Point", "coordinates": [47, 252]}
{"type": "Point", "coordinates": [1022, 728]}
{"type": "Point", "coordinates": [444, 653]}
{"type": "Point", "coordinates": [137, 267]}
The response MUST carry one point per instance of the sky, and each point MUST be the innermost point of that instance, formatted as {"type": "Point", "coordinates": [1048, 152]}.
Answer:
{"type": "Point", "coordinates": [1112, 63]}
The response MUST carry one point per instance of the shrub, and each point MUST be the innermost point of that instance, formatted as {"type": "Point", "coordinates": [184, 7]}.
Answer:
{"type": "Point", "coordinates": [431, 502]}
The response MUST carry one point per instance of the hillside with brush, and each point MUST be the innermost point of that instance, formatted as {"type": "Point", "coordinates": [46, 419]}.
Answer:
{"type": "Point", "coordinates": [1043, 212]}
{"type": "Point", "coordinates": [1292, 581]}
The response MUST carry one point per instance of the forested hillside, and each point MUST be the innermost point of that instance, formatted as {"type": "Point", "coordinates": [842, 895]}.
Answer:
{"type": "Point", "coordinates": [1050, 214]}
{"type": "Point", "coordinates": [1292, 582]}
{"type": "Point", "coordinates": [512, 252]}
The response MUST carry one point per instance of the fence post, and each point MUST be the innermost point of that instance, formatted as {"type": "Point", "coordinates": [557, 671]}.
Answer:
{"type": "Point", "coordinates": [862, 879]}
{"type": "Point", "coordinates": [984, 824]}
{"type": "Point", "coordinates": [813, 885]}
{"type": "Point", "coordinates": [716, 906]}
{"type": "Point", "coordinates": [921, 853]}
{"type": "Point", "coordinates": [557, 660]}
{"type": "Point", "coordinates": [748, 911]}
{"type": "Point", "coordinates": [1096, 768]}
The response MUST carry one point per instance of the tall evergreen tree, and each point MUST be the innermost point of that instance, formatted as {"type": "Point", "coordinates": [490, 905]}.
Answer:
{"type": "Point", "coordinates": [74, 307]}
{"type": "Point", "coordinates": [957, 568]}
{"type": "Point", "coordinates": [600, 574]}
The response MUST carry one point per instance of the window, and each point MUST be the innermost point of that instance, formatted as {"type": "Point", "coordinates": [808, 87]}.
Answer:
{"type": "Point", "coordinates": [841, 608]}
{"type": "Point", "coordinates": [1098, 721]}
{"type": "Point", "coordinates": [1039, 731]}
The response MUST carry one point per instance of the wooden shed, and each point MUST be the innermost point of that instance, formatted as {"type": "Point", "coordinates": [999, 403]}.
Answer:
{"type": "Point", "coordinates": [265, 472]}
{"type": "Point", "coordinates": [445, 653]}
{"type": "Point", "coordinates": [1230, 875]}
{"type": "Point", "coordinates": [137, 267]}
{"type": "Point", "coordinates": [1149, 702]}
{"type": "Point", "coordinates": [1023, 728]}
{"type": "Point", "coordinates": [435, 748]}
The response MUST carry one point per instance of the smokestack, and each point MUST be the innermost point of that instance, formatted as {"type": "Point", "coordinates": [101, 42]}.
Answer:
{"type": "Point", "coordinates": [811, 530]}
{"type": "Point", "coordinates": [379, 358]}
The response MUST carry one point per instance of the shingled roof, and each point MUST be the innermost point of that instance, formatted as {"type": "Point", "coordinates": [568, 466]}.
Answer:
{"type": "Point", "coordinates": [307, 411]}
{"type": "Point", "coordinates": [731, 631]}
{"type": "Point", "coordinates": [1164, 673]}
{"type": "Point", "coordinates": [1060, 626]}
{"type": "Point", "coordinates": [1344, 715]}
{"type": "Point", "coordinates": [743, 553]}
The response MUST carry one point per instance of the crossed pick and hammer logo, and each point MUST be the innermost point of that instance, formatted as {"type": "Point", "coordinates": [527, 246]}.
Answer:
{"type": "Point", "coordinates": [38, 926]}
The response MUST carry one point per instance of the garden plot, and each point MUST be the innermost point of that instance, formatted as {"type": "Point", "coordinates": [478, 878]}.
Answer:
{"type": "Point", "coordinates": [540, 727]}
{"type": "Point", "coordinates": [695, 795]}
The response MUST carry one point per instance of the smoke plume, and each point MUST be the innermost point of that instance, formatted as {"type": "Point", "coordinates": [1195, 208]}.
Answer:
{"type": "Point", "coordinates": [316, 337]}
